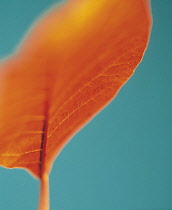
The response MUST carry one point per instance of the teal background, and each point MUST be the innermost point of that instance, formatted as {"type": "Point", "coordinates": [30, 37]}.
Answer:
{"type": "Point", "coordinates": [122, 159]}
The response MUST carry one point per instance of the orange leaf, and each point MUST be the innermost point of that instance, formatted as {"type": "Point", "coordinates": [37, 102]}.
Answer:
{"type": "Point", "coordinates": [71, 65]}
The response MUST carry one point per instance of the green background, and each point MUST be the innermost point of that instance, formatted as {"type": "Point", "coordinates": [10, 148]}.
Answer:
{"type": "Point", "coordinates": [121, 160]}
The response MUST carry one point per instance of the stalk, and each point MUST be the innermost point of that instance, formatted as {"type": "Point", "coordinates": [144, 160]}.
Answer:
{"type": "Point", "coordinates": [44, 193]}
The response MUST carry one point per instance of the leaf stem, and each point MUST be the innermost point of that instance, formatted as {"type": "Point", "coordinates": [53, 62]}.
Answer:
{"type": "Point", "coordinates": [44, 192]}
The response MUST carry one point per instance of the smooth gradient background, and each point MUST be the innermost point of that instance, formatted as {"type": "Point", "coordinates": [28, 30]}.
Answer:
{"type": "Point", "coordinates": [122, 160]}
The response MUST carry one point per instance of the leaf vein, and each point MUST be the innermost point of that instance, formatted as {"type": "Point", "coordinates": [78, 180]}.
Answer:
{"type": "Point", "coordinates": [19, 154]}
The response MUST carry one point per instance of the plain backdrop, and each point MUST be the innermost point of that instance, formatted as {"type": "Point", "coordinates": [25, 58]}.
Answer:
{"type": "Point", "coordinates": [122, 160]}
